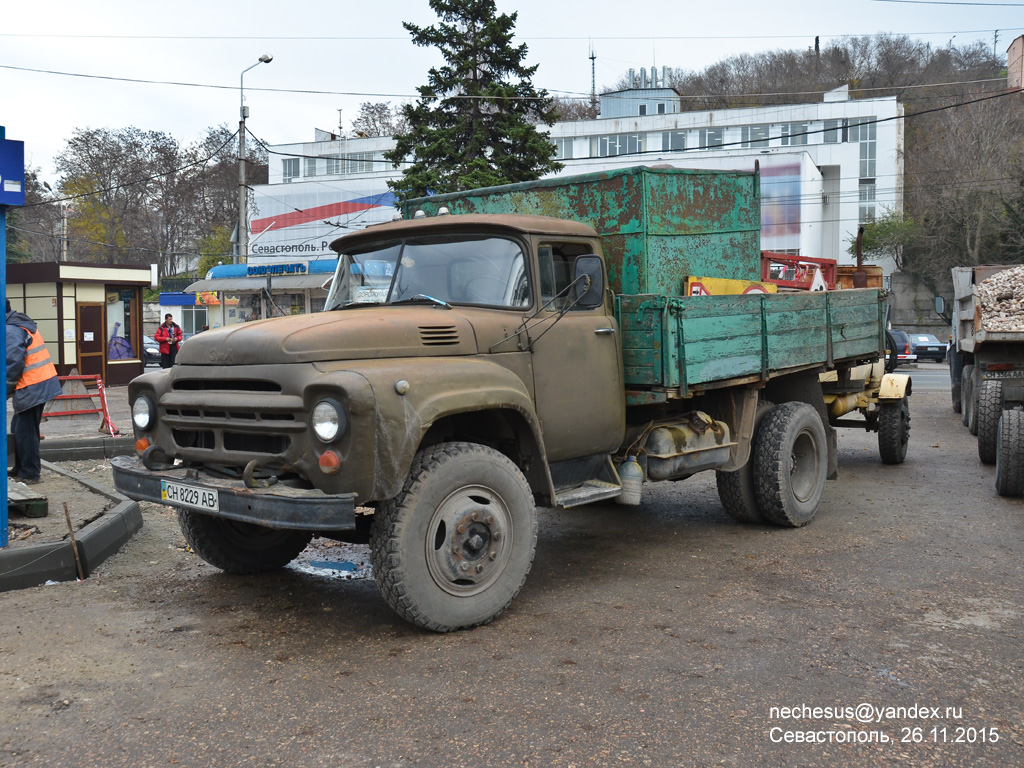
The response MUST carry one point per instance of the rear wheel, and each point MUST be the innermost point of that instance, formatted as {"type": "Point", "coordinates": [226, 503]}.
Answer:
{"type": "Point", "coordinates": [894, 431]}
{"type": "Point", "coordinates": [990, 408]}
{"type": "Point", "coordinates": [791, 455]}
{"type": "Point", "coordinates": [1010, 454]}
{"type": "Point", "coordinates": [241, 548]}
{"type": "Point", "coordinates": [736, 489]}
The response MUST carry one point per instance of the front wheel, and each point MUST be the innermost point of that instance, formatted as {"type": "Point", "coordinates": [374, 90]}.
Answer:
{"type": "Point", "coordinates": [791, 451]}
{"type": "Point", "coordinates": [454, 548]}
{"type": "Point", "coordinates": [893, 431]}
{"type": "Point", "coordinates": [241, 548]}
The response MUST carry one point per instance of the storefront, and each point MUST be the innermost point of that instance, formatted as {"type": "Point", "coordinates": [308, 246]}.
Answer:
{"type": "Point", "coordinates": [238, 293]}
{"type": "Point", "coordinates": [89, 315]}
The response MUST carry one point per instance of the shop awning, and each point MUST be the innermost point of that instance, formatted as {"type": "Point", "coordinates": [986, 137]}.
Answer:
{"type": "Point", "coordinates": [249, 284]}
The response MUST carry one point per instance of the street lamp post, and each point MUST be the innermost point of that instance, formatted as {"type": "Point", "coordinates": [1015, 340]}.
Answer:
{"type": "Point", "coordinates": [242, 249]}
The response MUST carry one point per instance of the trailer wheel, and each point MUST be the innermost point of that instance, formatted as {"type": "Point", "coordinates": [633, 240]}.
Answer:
{"type": "Point", "coordinates": [1010, 454]}
{"type": "Point", "coordinates": [990, 408]}
{"type": "Point", "coordinates": [893, 431]}
{"type": "Point", "coordinates": [791, 455]}
{"type": "Point", "coordinates": [966, 394]}
{"type": "Point", "coordinates": [454, 548]}
{"type": "Point", "coordinates": [242, 548]}
{"type": "Point", "coordinates": [736, 489]}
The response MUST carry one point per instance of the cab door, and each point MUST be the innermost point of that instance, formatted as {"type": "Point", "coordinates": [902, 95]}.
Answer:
{"type": "Point", "coordinates": [577, 363]}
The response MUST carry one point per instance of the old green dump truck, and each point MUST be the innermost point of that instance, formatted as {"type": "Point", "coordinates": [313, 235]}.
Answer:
{"type": "Point", "coordinates": [470, 367]}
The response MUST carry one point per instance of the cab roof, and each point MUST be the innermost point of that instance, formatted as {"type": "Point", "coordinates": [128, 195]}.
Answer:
{"type": "Point", "coordinates": [475, 222]}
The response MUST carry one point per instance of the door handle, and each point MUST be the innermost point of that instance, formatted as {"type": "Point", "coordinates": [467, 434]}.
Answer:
{"type": "Point", "coordinates": [602, 331]}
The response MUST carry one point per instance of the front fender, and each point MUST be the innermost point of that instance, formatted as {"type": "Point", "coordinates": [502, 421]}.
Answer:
{"type": "Point", "coordinates": [413, 393]}
{"type": "Point", "coordinates": [895, 386]}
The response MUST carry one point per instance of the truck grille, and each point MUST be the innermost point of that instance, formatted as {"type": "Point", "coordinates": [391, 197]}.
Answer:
{"type": "Point", "coordinates": [244, 418]}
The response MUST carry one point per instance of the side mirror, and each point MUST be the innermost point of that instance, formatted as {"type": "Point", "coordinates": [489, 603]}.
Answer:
{"type": "Point", "coordinates": [940, 305]}
{"type": "Point", "coordinates": [588, 293]}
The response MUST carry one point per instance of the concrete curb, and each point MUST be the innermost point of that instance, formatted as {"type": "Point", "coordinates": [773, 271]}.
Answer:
{"type": "Point", "coordinates": [77, 449]}
{"type": "Point", "coordinates": [31, 566]}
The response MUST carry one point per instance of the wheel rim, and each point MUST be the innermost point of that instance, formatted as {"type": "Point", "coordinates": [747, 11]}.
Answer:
{"type": "Point", "coordinates": [803, 470]}
{"type": "Point", "coordinates": [469, 540]}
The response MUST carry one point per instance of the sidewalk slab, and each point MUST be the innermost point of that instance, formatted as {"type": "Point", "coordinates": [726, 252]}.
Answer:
{"type": "Point", "coordinates": [34, 565]}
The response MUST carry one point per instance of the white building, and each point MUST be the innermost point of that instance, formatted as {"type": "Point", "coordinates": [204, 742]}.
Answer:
{"type": "Point", "coordinates": [825, 168]}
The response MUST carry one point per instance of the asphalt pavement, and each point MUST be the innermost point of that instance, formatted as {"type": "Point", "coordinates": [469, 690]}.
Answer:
{"type": "Point", "coordinates": [886, 632]}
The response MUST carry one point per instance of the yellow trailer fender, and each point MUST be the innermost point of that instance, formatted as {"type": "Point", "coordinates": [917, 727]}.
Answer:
{"type": "Point", "coordinates": [895, 386]}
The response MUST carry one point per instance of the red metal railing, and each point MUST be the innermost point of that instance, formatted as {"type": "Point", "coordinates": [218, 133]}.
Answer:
{"type": "Point", "coordinates": [107, 424]}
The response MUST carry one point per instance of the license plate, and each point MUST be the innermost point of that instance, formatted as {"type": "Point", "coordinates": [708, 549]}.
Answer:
{"type": "Point", "coordinates": [187, 496]}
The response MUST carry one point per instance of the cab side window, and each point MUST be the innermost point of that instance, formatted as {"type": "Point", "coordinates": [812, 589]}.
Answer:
{"type": "Point", "coordinates": [556, 261]}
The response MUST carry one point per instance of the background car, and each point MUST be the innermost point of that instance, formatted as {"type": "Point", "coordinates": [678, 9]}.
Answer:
{"type": "Point", "coordinates": [928, 347]}
{"type": "Point", "coordinates": [150, 351]}
{"type": "Point", "coordinates": [900, 345]}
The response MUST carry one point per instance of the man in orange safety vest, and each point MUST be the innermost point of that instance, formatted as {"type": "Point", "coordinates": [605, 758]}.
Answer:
{"type": "Point", "coordinates": [31, 383]}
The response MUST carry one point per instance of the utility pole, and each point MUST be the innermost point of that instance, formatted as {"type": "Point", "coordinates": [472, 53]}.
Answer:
{"type": "Point", "coordinates": [242, 251]}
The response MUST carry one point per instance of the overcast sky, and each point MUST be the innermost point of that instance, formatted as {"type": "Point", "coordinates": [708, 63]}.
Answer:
{"type": "Point", "coordinates": [359, 52]}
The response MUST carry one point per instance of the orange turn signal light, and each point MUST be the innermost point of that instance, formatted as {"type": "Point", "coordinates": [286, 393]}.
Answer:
{"type": "Point", "coordinates": [141, 445]}
{"type": "Point", "coordinates": [330, 462]}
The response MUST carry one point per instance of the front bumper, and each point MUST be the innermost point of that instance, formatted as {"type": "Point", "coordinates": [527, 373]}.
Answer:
{"type": "Point", "coordinates": [275, 507]}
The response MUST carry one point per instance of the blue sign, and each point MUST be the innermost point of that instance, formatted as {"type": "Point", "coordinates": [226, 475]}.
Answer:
{"type": "Point", "coordinates": [12, 172]}
{"type": "Point", "coordinates": [260, 270]}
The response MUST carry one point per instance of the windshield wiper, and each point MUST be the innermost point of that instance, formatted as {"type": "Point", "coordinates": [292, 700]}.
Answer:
{"type": "Point", "coordinates": [421, 297]}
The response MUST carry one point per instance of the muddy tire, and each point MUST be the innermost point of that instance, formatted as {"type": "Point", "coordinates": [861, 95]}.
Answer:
{"type": "Point", "coordinates": [1010, 454]}
{"type": "Point", "coordinates": [736, 489]}
{"type": "Point", "coordinates": [791, 455]}
{"type": "Point", "coordinates": [241, 548]}
{"type": "Point", "coordinates": [454, 548]}
{"type": "Point", "coordinates": [967, 395]}
{"type": "Point", "coordinates": [989, 409]}
{"type": "Point", "coordinates": [894, 431]}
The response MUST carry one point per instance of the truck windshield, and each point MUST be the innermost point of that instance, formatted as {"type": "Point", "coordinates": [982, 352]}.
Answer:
{"type": "Point", "coordinates": [481, 270]}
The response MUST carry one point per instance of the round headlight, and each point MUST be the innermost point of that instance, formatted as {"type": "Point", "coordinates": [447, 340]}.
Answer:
{"type": "Point", "coordinates": [143, 413]}
{"type": "Point", "coordinates": [326, 421]}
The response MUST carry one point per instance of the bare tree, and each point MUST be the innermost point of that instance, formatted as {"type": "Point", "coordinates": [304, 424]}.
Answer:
{"type": "Point", "coordinates": [569, 109]}
{"type": "Point", "coordinates": [378, 119]}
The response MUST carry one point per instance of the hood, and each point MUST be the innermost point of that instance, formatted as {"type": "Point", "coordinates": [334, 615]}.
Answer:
{"type": "Point", "coordinates": [350, 334]}
{"type": "Point", "coordinates": [21, 319]}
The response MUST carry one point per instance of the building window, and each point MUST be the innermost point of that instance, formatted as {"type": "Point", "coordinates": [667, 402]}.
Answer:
{"type": "Point", "coordinates": [755, 136]}
{"type": "Point", "coordinates": [563, 148]}
{"type": "Point", "coordinates": [711, 137]}
{"type": "Point", "coordinates": [290, 169]}
{"type": "Point", "coordinates": [867, 200]}
{"type": "Point", "coordinates": [661, 108]}
{"type": "Point", "coordinates": [193, 320]}
{"type": "Point", "coordinates": [359, 162]}
{"type": "Point", "coordinates": [614, 144]}
{"type": "Point", "coordinates": [863, 130]}
{"type": "Point", "coordinates": [334, 165]}
{"type": "Point", "coordinates": [673, 140]}
{"type": "Point", "coordinates": [310, 169]}
{"type": "Point", "coordinates": [643, 110]}
{"type": "Point", "coordinates": [794, 134]}
{"type": "Point", "coordinates": [832, 131]}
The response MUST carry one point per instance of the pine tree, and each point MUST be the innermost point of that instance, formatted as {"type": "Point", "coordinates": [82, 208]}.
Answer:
{"type": "Point", "coordinates": [475, 122]}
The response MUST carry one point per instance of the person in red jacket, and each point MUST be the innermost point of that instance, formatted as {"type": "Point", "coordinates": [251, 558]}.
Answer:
{"type": "Point", "coordinates": [169, 336]}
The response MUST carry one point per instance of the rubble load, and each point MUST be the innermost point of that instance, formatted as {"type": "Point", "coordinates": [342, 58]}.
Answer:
{"type": "Point", "coordinates": [1002, 301]}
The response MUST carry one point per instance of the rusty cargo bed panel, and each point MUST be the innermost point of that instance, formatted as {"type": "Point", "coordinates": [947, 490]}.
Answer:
{"type": "Point", "coordinates": [707, 341]}
{"type": "Point", "coordinates": [658, 226]}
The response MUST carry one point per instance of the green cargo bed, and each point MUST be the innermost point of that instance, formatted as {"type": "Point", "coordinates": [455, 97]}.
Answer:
{"type": "Point", "coordinates": [704, 342]}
